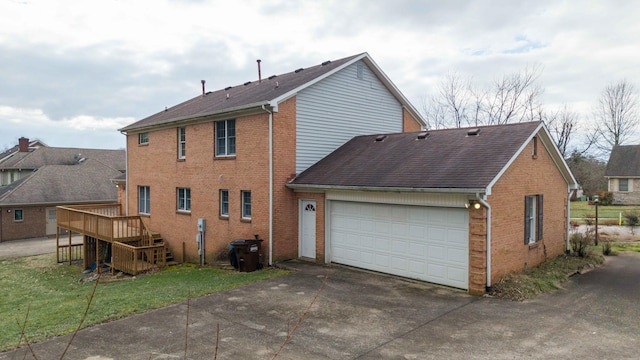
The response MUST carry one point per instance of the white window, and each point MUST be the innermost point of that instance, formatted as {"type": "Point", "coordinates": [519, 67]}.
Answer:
{"type": "Point", "coordinates": [143, 138]}
{"type": "Point", "coordinates": [225, 138]}
{"type": "Point", "coordinates": [18, 215]}
{"type": "Point", "coordinates": [623, 184]}
{"type": "Point", "coordinates": [184, 199]}
{"type": "Point", "coordinates": [246, 204]}
{"type": "Point", "coordinates": [182, 143]}
{"type": "Point", "coordinates": [224, 203]}
{"type": "Point", "coordinates": [144, 200]}
{"type": "Point", "coordinates": [532, 218]}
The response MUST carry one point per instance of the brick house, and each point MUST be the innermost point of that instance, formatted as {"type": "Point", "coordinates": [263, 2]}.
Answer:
{"type": "Point", "coordinates": [226, 156]}
{"type": "Point", "coordinates": [459, 207]}
{"type": "Point", "coordinates": [623, 174]}
{"type": "Point", "coordinates": [38, 178]}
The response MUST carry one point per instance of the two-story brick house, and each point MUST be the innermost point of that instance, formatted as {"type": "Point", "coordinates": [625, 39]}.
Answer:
{"type": "Point", "coordinates": [226, 156]}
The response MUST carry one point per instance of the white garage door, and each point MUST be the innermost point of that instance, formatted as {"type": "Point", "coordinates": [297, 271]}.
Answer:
{"type": "Point", "coordinates": [418, 242]}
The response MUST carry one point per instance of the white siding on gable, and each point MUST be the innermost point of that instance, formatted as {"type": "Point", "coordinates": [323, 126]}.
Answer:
{"type": "Point", "coordinates": [334, 110]}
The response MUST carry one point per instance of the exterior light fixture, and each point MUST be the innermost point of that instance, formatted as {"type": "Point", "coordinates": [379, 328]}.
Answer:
{"type": "Point", "coordinates": [473, 204]}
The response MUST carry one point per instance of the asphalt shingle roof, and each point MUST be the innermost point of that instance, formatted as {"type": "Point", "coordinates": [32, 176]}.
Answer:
{"type": "Point", "coordinates": [240, 95]}
{"type": "Point", "coordinates": [444, 159]}
{"type": "Point", "coordinates": [89, 181]}
{"type": "Point", "coordinates": [42, 156]}
{"type": "Point", "coordinates": [624, 160]}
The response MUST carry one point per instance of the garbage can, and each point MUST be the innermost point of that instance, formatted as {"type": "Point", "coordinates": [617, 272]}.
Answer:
{"type": "Point", "coordinates": [244, 255]}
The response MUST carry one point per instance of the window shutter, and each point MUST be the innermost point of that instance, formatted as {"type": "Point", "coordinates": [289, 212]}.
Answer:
{"type": "Point", "coordinates": [540, 212]}
{"type": "Point", "coordinates": [527, 215]}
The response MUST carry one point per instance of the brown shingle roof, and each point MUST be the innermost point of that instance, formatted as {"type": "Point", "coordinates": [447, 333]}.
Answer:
{"type": "Point", "coordinates": [239, 96]}
{"type": "Point", "coordinates": [445, 159]}
{"type": "Point", "coordinates": [624, 160]}
{"type": "Point", "coordinates": [86, 182]}
{"type": "Point", "coordinates": [40, 157]}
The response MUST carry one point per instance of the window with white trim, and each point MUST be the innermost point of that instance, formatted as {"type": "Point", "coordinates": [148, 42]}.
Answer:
{"type": "Point", "coordinates": [143, 138]}
{"type": "Point", "coordinates": [18, 215]}
{"type": "Point", "coordinates": [533, 211]}
{"type": "Point", "coordinates": [226, 137]}
{"type": "Point", "coordinates": [224, 203]}
{"type": "Point", "coordinates": [184, 199]}
{"type": "Point", "coordinates": [182, 143]}
{"type": "Point", "coordinates": [623, 184]}
{"type": "Point", "coordinates": [144, 200]}
{"type": "Point", "coordinates": [246, 204]}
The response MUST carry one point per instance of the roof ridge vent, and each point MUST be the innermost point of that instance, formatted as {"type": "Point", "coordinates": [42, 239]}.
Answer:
{"type": "Point", "coordinates": [247, 83]}
{"type": "Point", "coordinates": [423, 135]}
{"type": "Point", "coordinates": [228, 87]}
{"type": "Point", "coordinates": [380, 138]}
{"type": "Point", "coordinates": [272, 77]}
{"type": "Point", "coordinates": [298, 70]}
{"type": "Point", "coordinates": [326, 63]}
{"type": "Point", "coordinates": [473, 132]}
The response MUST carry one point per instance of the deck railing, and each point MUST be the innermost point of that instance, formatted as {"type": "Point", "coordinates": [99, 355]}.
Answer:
{"type": "Point", "coordinates": [69, 253]}
{"type": "Point", "coordinates": [136, 259]}
{"type": "Point", "coordinates": [132, 243]}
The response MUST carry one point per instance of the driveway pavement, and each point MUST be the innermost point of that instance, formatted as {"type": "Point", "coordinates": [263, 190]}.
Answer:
{"type": "Point", "coordinates": [34, 246]}
{"type": "Point", "coordinates": [361, 315]}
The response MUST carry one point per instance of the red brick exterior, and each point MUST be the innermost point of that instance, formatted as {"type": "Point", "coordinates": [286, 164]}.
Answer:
{"type": "Point", "coordinates": [34, 223]}
{"type": "Point", "coordinates": [527, 176]}
{"type": "Point", "coordinates": [409, 123]}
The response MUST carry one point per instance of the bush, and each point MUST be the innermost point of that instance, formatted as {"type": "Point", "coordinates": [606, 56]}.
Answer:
{"type": "Point", "coordinates": [589, 219]}
{"type": "Point", "coordinates": [606, 247]}
{"type": "Point", "coordinates": [581, 243]}
{"type": "Point", "coordinates": [632, 217]}
{"type": "Point", "coordinates": [605, 198]}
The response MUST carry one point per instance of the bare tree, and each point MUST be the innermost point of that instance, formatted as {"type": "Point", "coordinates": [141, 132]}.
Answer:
{"type": "Point", "coordinates": [513, 96]}
{"type": "Point", "coordinates": [562, 124]}
{"type": "Point", "coordinates": [616, 115]}
{"type": "Point", "coordinates": [454, 94]}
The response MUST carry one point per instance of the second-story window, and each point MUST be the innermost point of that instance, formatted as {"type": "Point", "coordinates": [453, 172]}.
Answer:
{"type": "Point", "coordinates": [184, 199]}
{"type": "Point", "coordinates": [226, 138]}
{"type": "Point", "coordinates": [143, 138]}
{"type": "Point", "coordinates": [182, 143]}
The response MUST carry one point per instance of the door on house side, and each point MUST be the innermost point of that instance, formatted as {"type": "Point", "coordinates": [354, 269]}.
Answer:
{"type": "Point", "coordinates": [308, 229]}
{"type": "Point", "coordinates": [51, 221]}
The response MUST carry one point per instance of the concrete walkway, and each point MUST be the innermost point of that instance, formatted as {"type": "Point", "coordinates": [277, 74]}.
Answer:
{"type": "Point", "coordinates": [352, 314]}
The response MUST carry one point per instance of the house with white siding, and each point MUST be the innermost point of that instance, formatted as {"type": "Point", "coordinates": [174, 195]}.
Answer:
{"type": "Point", "coordinates": [222, 159]}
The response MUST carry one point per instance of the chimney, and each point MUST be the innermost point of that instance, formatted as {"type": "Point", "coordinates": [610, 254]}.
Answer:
{"type": "Point", "coordinates": [203, 92]}
{"type": "Point", "coordinates": [23, 144]}
{"type": "Point", "coordinates": [259, 73]}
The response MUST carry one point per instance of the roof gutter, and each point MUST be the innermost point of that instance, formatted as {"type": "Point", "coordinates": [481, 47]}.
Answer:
{"type": "Point", "coordinates": [203, 117]}
{"type": "Point", "coordinates": [309, 187]}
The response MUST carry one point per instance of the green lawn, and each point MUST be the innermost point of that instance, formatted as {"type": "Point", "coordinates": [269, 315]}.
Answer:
{"type": "Point", "coordinates": [580, 209]}
{"type": "Point", "coordinates": [55, 299]}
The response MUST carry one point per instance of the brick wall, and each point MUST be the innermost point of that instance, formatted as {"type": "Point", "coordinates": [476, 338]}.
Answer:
{"type": "Point", "coordinates": [156, 165]}
{"type": "Point", "coordinates": [409, 123]}
{"type": "Point", "coordinates": [34, 223]}
{"type": "Point", "coordinates": [477, 250]}
{"type": "Point", "coordinates": [526, 176]}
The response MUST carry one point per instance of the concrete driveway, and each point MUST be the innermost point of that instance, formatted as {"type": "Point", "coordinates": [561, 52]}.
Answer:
{"type": "Point", "coordinates": [360, 315]}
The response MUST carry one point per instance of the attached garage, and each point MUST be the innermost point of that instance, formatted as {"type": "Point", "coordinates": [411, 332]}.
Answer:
{"type": "Point", "coordinates": [418, 242]}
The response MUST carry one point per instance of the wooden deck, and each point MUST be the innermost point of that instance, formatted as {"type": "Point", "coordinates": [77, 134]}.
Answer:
{"type": "Point", "coordinates": [122, 242]}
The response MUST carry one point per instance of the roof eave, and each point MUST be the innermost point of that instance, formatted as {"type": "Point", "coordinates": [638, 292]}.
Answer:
{"type": "Point", "coordinates": [314, 187]}
{"type": "Point", "coordinates": [203, 117]}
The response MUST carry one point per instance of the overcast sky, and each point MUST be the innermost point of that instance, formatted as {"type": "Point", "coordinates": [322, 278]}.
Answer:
{"type": "Point", "coordinates": [73, 72]}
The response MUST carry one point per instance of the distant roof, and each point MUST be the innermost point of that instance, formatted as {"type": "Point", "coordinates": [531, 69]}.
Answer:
{"type": "Point", "coordinates": [254, 94]}
{"type": "Point", "coordinates": [437, 159]}
{"type": "Point", "coordinates": [624, 161]}
{"type": "Point", "coordinates": [43, 156]}
{"type": "Point", "coordinates": [63, 184]}
{"type": "Point", "coordinates": [32, 145]}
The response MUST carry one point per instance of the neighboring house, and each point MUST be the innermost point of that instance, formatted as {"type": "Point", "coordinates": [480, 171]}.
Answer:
{"type": "Point", "coordinates": [623, 174]}
{"type": "Point", "coordinates": [226, 156]}
{"type": "Point", "coordinates": [459, 207]}
{"type": "Point", "coordinates": [23, 148]}
{"type": "Point", "coordinates": [46, 177]}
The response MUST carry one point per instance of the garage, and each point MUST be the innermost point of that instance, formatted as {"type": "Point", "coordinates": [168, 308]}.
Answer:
{"type": "Point", "coordinates": [419, 242]}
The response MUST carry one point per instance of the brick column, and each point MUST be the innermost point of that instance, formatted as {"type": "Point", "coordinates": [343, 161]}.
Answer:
{"type": "Point", "coordinates": [477, 251]}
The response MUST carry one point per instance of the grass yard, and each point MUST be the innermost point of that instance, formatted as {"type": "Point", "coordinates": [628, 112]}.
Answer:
{"type": "Point", "coordinates": [55, 298]}
{"type": "Point", "coordinates": [580, 209]}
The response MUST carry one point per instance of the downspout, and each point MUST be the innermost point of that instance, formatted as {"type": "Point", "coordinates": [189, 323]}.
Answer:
{"type": "Point", "coordinates": [126, 173]}
{"type": "Point", "coordinates": [486, 205]}
{"type": "Point", "coordinates": [567, 245]}
{"type": "Point", "coordinates": [270, 184]}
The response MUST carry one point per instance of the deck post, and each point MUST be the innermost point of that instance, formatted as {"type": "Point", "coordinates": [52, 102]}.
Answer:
{"type": "Point", "coordinates": [57, 242]}
{"type": "Point", "coordinates": [69, 246]}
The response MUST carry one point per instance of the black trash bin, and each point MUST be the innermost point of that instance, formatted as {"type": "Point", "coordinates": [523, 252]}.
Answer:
{"type": "Point", "coordinates": [244, 255]}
